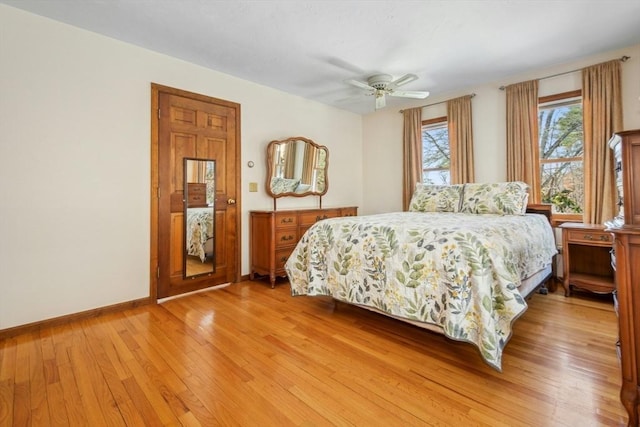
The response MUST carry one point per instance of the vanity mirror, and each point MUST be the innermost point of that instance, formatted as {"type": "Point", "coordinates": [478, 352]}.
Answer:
{"type": "Point", "coordinates": [296, 167]}
{"type": "Point", "coordinates": [199, 210]}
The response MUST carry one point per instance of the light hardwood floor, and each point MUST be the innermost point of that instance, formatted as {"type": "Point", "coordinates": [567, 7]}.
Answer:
{"type": "Point", "coordinates": [249, 355]}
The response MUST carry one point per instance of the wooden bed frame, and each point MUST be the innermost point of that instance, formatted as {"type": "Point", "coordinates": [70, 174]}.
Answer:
{"type": "Point", "coordinates": [549, 283]}
{"type": "Point", "coordinates": [536, 282]}
{"type": "Point", "coordinates": [541, 279]}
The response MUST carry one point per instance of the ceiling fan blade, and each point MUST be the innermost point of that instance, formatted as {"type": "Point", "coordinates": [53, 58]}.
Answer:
{"type": "Point", "coordinates": [358, 83]}
{"type": "Point", "coordinates": [381, 102]}
{"type": "Point", "coordinates": [418, 94]}
{"type": "Point", "coordinates": [407, 78]}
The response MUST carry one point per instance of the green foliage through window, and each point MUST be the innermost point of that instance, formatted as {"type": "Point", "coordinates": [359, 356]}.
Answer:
{"type": "Point", "coordinates": [561, 155]}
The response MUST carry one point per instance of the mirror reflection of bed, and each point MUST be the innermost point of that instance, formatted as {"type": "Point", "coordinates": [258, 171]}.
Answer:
{"type": "Point", "coordinates": [199, 256]}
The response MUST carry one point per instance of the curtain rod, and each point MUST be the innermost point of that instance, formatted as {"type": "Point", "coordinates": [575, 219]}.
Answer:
{"type": "Point", "coordinates": [622, 59]}
{"type": "Point", "coordinates": [436, 103]}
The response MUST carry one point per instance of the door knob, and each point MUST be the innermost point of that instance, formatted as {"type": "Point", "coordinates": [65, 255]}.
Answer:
{"type": "Point", "coordinates": [231, 201]}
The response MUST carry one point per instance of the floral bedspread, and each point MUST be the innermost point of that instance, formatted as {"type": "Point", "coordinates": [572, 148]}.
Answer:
{"type": "Point", "coordinates": [458, 271]}
{"type": "Point", "coordinates": [199, 230]}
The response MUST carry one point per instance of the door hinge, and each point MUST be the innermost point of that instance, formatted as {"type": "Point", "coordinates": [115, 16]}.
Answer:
{"type": "Point", "coordinates": [158, 113]}
{"type": "Point", "coordinates": [158, 272]}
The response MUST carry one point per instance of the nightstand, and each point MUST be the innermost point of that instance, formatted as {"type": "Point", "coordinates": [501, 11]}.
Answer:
{"type": "Point", "coordinates": [586, 257]}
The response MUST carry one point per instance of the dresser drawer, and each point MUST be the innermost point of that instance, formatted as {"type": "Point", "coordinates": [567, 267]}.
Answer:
{"type": "Point", "coordinates": [286, 237]}
{"type": "Point", "coordinates": [197, 188]}
{"type": "Point", "coordinates": [311, 217]}
{"type": "Point", "coordinates": [286, 219]}
{"type": "Point", "coordinates": [281, 257]}
{"type": "Point", "coordinates": [353, 211]}
{"type": "Point", "coordinates": [590, 237]}
{"type": "Point", "coordinates": [197, 200]}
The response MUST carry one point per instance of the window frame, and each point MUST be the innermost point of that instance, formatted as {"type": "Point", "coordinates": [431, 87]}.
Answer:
{"type": "Point", "coordinates": [430, 122]}
{"type": "Point", "coordinates": [559, 218]}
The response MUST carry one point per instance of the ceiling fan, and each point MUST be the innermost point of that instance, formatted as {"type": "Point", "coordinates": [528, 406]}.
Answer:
{"type": "Point", "coordinates": [381, 85]}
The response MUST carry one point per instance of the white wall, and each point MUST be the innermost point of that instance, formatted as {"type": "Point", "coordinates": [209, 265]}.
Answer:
{"type": "Point", "coordinates": [75, 161]}
{"type": "Point", "coordinates": [382, 130]}
{"type": "Point", "coordinates": [75, 157]}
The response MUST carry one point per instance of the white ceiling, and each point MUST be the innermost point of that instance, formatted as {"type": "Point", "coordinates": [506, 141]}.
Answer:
{"type": "Point", "coordinates": [308, 48]}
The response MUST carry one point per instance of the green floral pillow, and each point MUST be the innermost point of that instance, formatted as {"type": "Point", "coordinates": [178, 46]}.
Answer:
{"type": "Point", "coordinates": [502, 198]}
{"type": "Point", "coordinates": [436, 198]}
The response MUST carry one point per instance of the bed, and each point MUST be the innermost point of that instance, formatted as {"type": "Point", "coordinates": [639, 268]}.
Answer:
{"type": "Point", "coordinates": [200, 232]}
{"type": "Point", "coordinates": [461, 262]}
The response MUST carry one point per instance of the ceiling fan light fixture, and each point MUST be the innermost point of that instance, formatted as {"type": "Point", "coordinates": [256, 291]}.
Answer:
{"type": "Point", "coordinates": [379, 81]}
{"type": "Point", "coordinates": [381, 85]}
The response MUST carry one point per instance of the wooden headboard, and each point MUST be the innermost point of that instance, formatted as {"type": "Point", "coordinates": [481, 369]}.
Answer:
{"type": "Point", "coordinates": [541, 208]}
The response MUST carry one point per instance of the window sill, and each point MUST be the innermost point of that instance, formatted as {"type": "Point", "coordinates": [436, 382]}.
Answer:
{"type": "Point", "coordinates": [558, 219]}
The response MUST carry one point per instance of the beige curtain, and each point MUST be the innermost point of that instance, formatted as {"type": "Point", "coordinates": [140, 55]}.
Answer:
{"type": "Point", "coordinates": [522, 136]}
{"type": "Point", "coordinates": [412, 153]}
{"type": "Point", "coordinates": [308, 165]}
{"type": "Point", "coordinates": [460, 139]}
{"type": "Point", "coordinates": [196, 171]}
{"type": "Point", "coordinates": [290, 159]}
{"type": "Point", "coordinates": [602, 117]}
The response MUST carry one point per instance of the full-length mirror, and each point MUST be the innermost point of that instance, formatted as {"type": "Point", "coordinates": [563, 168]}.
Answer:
{"type": "Point", "coordinates": [296, 167]}
{"type": "Point", "coordinates": [199, 209]}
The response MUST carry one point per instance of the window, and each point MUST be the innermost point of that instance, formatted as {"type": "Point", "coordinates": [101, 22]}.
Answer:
{"type": "Point", "coordinates": [561, 152]}
{"type": "Point", "coordinates": [436, 154]}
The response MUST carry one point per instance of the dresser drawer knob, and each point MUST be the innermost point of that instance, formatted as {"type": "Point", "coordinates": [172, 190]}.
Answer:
{"type": "Point", "coordinates": [588, 237]}
{"type": "Point", "coordinates": [286, 238]}
{"type": "Point", "coordinates": [286, 220]}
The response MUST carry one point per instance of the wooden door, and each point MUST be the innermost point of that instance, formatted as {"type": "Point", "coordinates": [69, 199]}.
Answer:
{"type": "Point", "coordinates": [193, 126]}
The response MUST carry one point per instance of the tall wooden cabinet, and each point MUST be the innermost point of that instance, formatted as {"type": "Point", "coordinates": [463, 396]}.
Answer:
{"type": "Point", "coordinates": [274, 235]}
{"type": "Point", "coordinates": [626, 263]}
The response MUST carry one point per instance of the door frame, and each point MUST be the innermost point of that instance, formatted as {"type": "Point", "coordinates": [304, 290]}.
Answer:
{"type": "Point", "coordinates": [156, 89]}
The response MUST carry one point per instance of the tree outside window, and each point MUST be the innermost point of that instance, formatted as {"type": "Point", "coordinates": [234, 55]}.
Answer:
{"type": "Point", "coordinates": [561, 153]}
{"type": "Point", "coordinates": [436, 154]}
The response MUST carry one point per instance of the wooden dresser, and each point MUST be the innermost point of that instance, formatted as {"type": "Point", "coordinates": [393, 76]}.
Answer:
{"type": "Point", "coordinates": [626, 263]}
{"type": "Point", "coordinates": [274, 235]}
{"type": "Point", "coordinates": [196, 195]}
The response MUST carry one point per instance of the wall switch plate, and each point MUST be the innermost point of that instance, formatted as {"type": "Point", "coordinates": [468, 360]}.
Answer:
{"type": "Point", "coordinates": [253, 187]}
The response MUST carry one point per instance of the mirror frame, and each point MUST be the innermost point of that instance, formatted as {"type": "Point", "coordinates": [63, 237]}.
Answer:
{"type": "Point", "coordinates": [270, 168]}
{"type": "Point", "coordinates": [185, 254]}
